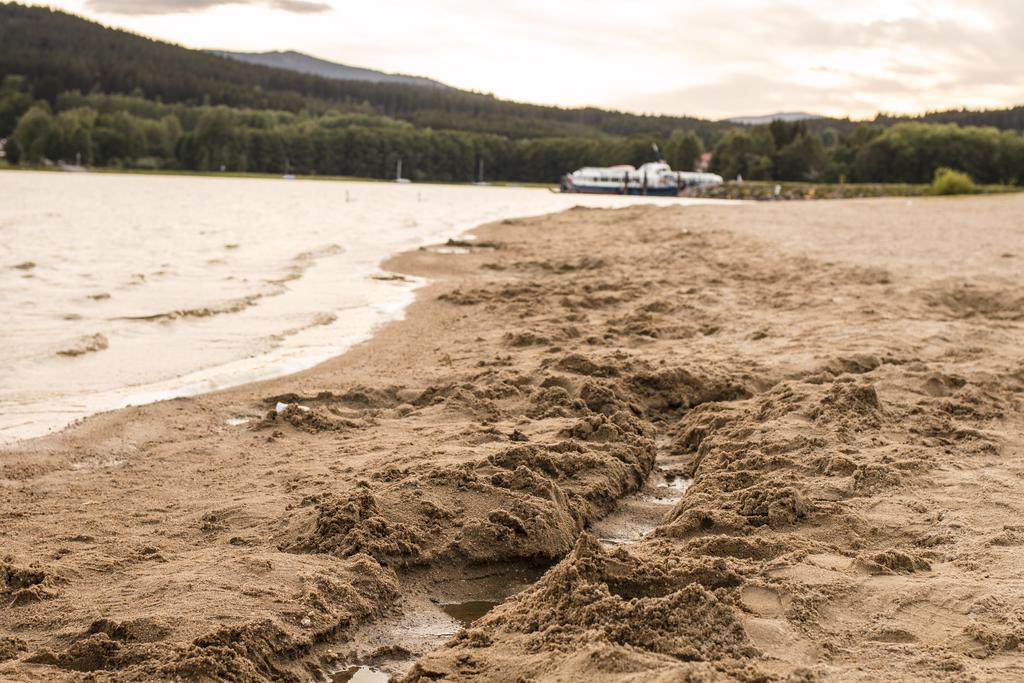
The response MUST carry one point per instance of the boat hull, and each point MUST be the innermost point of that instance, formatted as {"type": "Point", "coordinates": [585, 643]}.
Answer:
{"type": "Point", "coordinates": [650, 191]}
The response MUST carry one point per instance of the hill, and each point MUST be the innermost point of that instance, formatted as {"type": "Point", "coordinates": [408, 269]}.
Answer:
{"type": "Point", "coordinates": [306, 64]}
{"type": "Point", "coordinates": [58, 52]}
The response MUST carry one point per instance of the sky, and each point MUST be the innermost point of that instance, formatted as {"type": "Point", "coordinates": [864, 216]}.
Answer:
{"type": "Point", "coordinates": [713, 59]}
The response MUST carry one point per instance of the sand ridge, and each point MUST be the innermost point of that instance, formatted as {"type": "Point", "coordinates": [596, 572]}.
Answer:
{"type": "Point", "coordinates": [851, 427]}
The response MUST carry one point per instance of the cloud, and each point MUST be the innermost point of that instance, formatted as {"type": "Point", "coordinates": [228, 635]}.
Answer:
{"type": "Point", "coordinates": [857, 59]}
{"type": "Point", "coordinates": [139, 7]}
{"type": "Point", "coordinates": [300, 6]}
{"type": "Point", "coordinates": [716, 59]}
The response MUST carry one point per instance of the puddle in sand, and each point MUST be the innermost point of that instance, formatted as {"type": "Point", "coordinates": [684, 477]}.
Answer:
{"type": "Point", "coordinates": [679, 483]}
{"type": "Point", "coordinates": [638, 514]}
{"type": "Point", "coordinates": [467, 612]}
{"type": "Point", "coordinates": [434, 608]}
{"type": "Point", "coordinates": [360, 674]}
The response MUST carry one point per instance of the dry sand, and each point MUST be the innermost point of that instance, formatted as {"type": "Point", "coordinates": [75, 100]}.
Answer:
{"type": "Point", "coordinates": [767, 442]}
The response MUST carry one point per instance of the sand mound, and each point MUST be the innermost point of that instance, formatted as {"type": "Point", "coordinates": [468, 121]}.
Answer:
{"type": "Point", "coordinates": [24, 585]}
{"type": "Point", "coordinates": [967, 299]}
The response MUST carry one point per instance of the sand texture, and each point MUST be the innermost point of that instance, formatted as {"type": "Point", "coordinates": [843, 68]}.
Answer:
{"type": "Point", "coordinates": [759, 442]}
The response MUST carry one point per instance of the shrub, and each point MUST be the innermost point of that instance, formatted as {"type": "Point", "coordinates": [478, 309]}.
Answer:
{"type": "Point", "coordinates": [948, 181]}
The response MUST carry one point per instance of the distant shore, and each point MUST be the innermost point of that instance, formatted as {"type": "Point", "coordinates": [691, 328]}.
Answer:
{"type": "Point", "coordinates": [240, 174]}
{"type": "Point", "coordinates": [724, 442]}
{"type": "Point", "coordinates": [750, 190]}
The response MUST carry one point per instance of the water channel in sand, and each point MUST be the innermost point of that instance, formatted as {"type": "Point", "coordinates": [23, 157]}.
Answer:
{"type": "Point", "coordinates": [127, 289]}
{"type": "Point", "coordinates": [434, 611]}
{"type": "Point", "coordinates": [637, 514]}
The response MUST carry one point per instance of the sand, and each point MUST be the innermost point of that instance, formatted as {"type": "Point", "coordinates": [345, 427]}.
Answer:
{"type": "Point", "coordinates": [760, 442]}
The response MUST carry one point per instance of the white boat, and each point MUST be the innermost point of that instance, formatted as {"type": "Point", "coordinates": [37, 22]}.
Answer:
{"type": "Point", "coordinates": [655, 178]}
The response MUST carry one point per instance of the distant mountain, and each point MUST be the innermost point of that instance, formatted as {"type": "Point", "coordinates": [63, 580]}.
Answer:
{"type": "Point", "coordinates": [305, 64]}
{"type": "Point", "coordinates": [780, 116]}
{"type": "Point", "coordinates": [57, 53]}
{"type": "Point", "coordinates": [1011, 118]}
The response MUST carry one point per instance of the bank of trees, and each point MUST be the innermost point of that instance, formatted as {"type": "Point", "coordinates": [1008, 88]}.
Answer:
{"type": "Point", "coordinates": [135, 132]}
{"type": "Point", "coordinates": [908, 152]}
{"type": "Point", "coordinates": [131, 131]}
{"type": "Point", "coordinates": [912, 152]}
{"type": "Point", "coordinates": [1009, 118]}
{"type": "Point", "coordinates": [82, 135]}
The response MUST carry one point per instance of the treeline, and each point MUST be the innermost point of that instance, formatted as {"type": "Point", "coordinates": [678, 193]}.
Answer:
{"type": "Point", "coordinates": [130, 131]}
{"type": "Point", "coordinates": [58, 53]}
{"type": "Point", "coordinates": [1010, 118]}
{"type": "Point", "coordinates": [901, 153]}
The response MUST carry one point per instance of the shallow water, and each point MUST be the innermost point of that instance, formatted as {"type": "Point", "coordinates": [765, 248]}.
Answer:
{"type": "Point", "coordinates": [638, 514]}
{"type": "Point", "coordinates": [469, 611]}
{"type": "Point", "coordinates": [360, 674]}
{"type": "Point", "coordinates": [125, 289]}
{"type": "Point", "coordinates": [433, 609]}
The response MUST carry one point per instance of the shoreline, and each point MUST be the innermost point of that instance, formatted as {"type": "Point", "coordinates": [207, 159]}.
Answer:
{"type": "Point", "coordinates": [352, 301]}
{"type": "Point", "coordinates": [748, 190]}
{"type": "Point", "coordinates": [797, 367]}
{"type": "Point", "coordinates": [263, 176]}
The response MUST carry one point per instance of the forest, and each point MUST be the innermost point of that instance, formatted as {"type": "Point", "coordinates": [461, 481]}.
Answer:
{"type": "Point", "coordinates": [74, 91]}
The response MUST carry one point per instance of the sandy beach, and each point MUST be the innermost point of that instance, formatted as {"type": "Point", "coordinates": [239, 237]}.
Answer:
{"type": "Point", "coordinates": [775, 441]}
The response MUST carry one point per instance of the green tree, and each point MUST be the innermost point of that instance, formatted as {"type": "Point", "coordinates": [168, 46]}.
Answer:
{"type": "Point", "coordinates": [802, 159]}
{"type": "Point", "coordinates": [33, 133]}
{"type": "Point", "coordinates": [161, 136]}
{"type": "Point", "coordinates": [215, 139]}
{"type": "Point", "coordinates": [71, 137]}
{"type": "Point", "coordinates": [745, 152]}
{"type": "Point", "coordinates": [785, 132]}
{"type": "Point", "coordinates": [14, 102]}
{"type": "Point", "coordinates": [683, 149]}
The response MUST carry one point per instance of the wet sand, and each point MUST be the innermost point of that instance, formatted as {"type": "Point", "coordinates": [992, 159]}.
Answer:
{"type": "Point", "coordinates": [703, 443]}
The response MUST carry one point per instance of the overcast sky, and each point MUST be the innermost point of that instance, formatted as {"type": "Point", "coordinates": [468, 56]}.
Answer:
{"type": "Point", "coordinates": [714, 59]}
